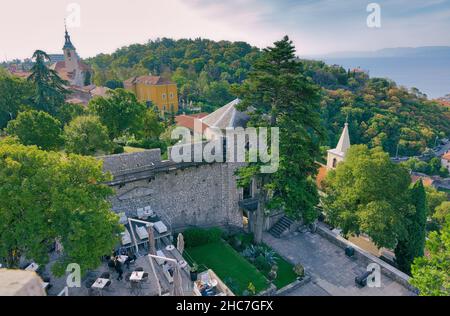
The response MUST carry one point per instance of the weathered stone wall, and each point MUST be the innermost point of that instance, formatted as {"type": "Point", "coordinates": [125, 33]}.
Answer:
{"type": "Point", "coordinates": [204, 196]}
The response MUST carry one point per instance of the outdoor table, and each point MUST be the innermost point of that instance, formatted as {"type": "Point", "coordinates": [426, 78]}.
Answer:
{"type": "Point", "coordinates": [122, 259]}
{"type": "Point", "coordinates": [170, 248]}
{"type": "Point", "coordinates": [100, 283]}
{"type": "Point", "coordinates": [137, 276]}
{"type": "Point", "coordinates": [160, 260]}
{"type": "Point", "coordinates": [142, 232]}
{"type": "Point", "coordinates": [126, 238]}
{"type": "Point", "coordinates": [32, 267]}
{"type": "Point", "coordinates": [160, 227]}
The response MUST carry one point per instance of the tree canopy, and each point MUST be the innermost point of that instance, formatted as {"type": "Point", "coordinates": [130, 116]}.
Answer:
{"type": "Point", "coordinates": [431, 273]}
{"type": "Point", "coordinates": [86, 135]}
{"type": "Point", "coordinates": [369, 194]}
{"type": "Point", "coordinates": [49, 88]}
{"type": "Point", "coordinates": [15, 94]}
{"type": "Point", "coordinates": [120, 112]}
{"type": "Point", "coordinates": [282, 97]}
{"type": "Point", "coordinates": [36, 128]}
{"type": "Point", "coordinates": [47, 196]}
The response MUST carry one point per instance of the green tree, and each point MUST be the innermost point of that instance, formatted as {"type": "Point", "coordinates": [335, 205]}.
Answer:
{"type": "Point", "coordinates": [86, 135]}
{"type": "Point", "coordinates": [442, 212]}
{"type": "Point", "coordinates": [431, 273]}
{"type": "Point", "coordinates": [14, 96]}
{"type": "Point", "coordinates": [47, 196]}
{"type": "Point", "coordinates": [36, 128]}
{"type": "Point", "coordinates": [412, 245]}
{"type": "Point", "coordinates": [152, 127]}
{"type": "Point", "coordinates": [68, 112]}
{"type": "Point", "coordinates": [369, 194]}
{"type": "Point", "coordinates": [50, 92]}
{"type": "Point", "coordinates": [434, 199]}
{"type": "Point", "coordinates": [120, 112]}
{"type": "Point", "coordinates": [283, 97]}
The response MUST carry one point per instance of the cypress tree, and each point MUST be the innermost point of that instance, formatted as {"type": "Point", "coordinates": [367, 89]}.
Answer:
{"type": "Point", "coordinates": [413, 244]}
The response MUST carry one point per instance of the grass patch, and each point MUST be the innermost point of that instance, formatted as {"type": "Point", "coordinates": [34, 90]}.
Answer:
{"type": "Point", "coordinates": [130, 150]}
{"type": "Point", "coordinates": [228, 265]}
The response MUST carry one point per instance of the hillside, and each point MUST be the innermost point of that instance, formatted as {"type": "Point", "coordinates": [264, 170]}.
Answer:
{"type": "Point", "coordinates": [380, 112]}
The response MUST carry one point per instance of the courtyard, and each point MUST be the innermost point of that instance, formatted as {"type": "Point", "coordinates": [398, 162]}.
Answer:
{"type": "Point", "coordinates": [332, 272]}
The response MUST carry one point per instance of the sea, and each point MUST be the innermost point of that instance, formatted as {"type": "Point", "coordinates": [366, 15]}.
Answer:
{"type": "Point", "coordinates": [430, 75]}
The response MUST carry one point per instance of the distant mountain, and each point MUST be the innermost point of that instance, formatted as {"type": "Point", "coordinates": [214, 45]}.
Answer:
{"type": "Point", "coordinates": [426, 51]}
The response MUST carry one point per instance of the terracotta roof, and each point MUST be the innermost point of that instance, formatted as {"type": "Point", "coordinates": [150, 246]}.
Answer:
{"type": "Point", "coordinates": [189, 122]}
{"type": "Point", "coordinates": [321, 175]}
{"type": "Point", "coordinates": [21, 74]}
{"type": "Point", "coordinates": [149, 80]}
{"type": "Point", "coordinates": [446, 156]}
{"type": "Point", "coordinates": [427, 181]}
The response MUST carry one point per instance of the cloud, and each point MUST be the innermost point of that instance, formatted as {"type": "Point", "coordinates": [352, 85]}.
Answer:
{"type": "Point", "coordinates": [316, 26]}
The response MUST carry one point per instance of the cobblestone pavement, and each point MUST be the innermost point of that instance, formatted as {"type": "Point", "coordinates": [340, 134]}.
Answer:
{"type": "Point", "coordinates": [332, 272]}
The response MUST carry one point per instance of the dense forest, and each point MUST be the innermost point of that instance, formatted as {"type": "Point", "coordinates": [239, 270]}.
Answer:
{"type": "Point", "coordinates": [380, 113]}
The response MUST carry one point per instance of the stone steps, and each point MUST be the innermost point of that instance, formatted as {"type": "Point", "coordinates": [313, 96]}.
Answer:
{"type": "Point", "coordinates": [282, 226]}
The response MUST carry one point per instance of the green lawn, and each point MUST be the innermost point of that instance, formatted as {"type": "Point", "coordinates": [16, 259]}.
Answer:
{"type": "Point", "coordinates": [286, 273]}
{"type": "Point", "coordinates": [130, 150]}
{"type": "Point", "coordinates": [227, 263]}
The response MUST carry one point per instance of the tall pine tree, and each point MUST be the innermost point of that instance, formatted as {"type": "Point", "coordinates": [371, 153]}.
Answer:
{"type": "Point", "coordinates": [50, 92]}
{"type": "Point", "coordinates": [280, 95]}
{"type": "Point", "coordinates": [413, 244]}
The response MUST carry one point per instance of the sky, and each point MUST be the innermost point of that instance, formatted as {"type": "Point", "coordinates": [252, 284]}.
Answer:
{"type": "Point", "coordinates": [317, 27]}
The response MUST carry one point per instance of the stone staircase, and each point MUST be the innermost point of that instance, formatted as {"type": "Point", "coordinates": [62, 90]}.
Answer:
{"type": "Point", "coordinates": [282, 226]}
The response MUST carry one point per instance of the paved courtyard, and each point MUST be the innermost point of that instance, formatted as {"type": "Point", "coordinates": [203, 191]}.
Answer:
{"type": "Point", "coordinates": [332, 272]}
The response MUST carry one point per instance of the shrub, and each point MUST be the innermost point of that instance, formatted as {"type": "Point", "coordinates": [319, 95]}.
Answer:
{"type": "Point", "coordinates": [261, 263]}
{"type": "Point", "coordinates": [195, 237]}
{"type": "Point", "coordinates": [118, 149]}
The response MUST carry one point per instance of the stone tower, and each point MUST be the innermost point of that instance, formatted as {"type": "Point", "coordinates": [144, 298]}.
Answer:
{"type": "Point", "coordinates": [337, 155]}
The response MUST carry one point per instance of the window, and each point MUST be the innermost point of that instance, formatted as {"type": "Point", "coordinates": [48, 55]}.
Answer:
{"type": "Point", "coordinates": [164, 107]}
{"type": "Point", "coordinates": [171, 95]}
{"type": "Point", "coordinates": [172, 108]}
{"type": "Point", "coordinates": [149, 104]}
{"type": "Point", "coordinates": [335, 163]}
{"type": "Point", "coordinates": [164, 96]}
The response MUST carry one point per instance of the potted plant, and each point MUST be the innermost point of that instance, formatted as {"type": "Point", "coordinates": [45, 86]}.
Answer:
{"type": "Point", "coordinates": [299, 270]}
{"type": "Point", "coordinates": [194, 272]}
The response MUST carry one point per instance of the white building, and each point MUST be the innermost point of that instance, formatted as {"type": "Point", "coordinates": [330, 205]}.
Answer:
{"type": "Point", "coordinates": [337, 155]}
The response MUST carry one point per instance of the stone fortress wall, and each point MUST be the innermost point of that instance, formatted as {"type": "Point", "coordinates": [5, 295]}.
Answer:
{"type": "Point", "coordinates": [201, 195]}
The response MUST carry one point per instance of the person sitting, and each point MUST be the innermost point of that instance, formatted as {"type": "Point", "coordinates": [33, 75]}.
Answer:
{"type": "Point", "coordinates": [119, 270]}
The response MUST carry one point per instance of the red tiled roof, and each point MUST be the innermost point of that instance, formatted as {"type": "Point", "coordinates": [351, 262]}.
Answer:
{"type": "Point", "coordinates": [189, 122]}
{"type": "Point", "coordinates": [427, 181]}
{"type": "Point", "coordinates": [321, 175]}
{"type": "Point", "coordinates": [446, 156]}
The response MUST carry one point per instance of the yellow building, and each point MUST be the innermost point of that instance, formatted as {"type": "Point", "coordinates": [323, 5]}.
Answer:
{"type": "Point", "coordinates": [155, 90]}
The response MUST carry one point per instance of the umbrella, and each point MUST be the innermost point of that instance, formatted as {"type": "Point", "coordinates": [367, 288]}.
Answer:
{"type": "Point", "coordinates": [180, 243]}
{"type": "Point", "coordinates": [177, 282]}
{"type": "Point", "coordinates": [151, 240]}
